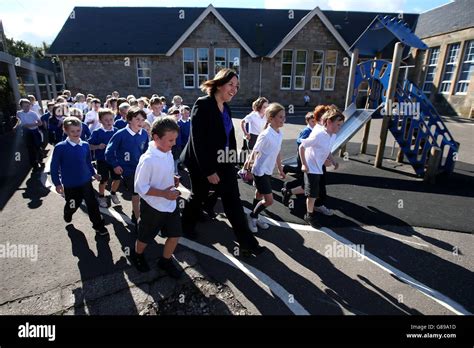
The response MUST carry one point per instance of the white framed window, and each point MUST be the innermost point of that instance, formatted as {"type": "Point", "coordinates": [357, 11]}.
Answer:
{"type": "Point", "coordinates": [189, 68]}
{"type": "Point", "coordinates": [286, 69]}
{"type": "Point", "coordinates": [227, 58]}
{"type": "Point", "coordinates": [220, 59]}
{"type": "Point", "coordinates": [233, 59]}
{"type": "Point", "coordinates": [330, 70]}
{"type": "Point", "coordinates": [431, 69]}
{"type": "Point", "coordinates": [143, 72]}
{"type": "Point", "coordinates": [300, 70]}
{"type": "Point", "coordinates": [449, 68]}
{"type": "Point", "coordinates": [467, 69]}
{"type": "Point", "coordinates": [202, 65]}
{"type": "Point", "coordinates": [317, 70]}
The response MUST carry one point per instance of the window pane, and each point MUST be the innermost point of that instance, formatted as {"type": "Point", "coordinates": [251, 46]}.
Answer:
{"type": "Point", "coordinates": [299, 82]}
{"type": "Point", "coordinates": [202, 78]}
{"type": "Point", "coordinates": [316, 83]}
{"type": "Point", "coordinates": [144, 73]}
{"type": "Point", "coordinates": [188, 67]}
{"type": "Point", "coordinates": [188, 54]}
{"type": "Point", "coordinates": [318, 57]}
{"type": "Point", "coordinates": [143, 62]}
{"type": "Point", "coordinates": [317, 70]}
{"type": "Point", "coordinates": [286, 69]}
{"type": "Point", "coordinates": [234, 57]}
{"type": "Point", "coordinates": [144, 81]}
{"type": "Point", "coordinates": [189, 81]}
{"type": "Point", "coordinates": [203, 54]}
{"type": "Point", "coordinates": [331, 57]}
{"type": "Point", "coordinates": [202, 68]}
{"type": "Point", "coordinates": [301, 56]}
{"type": "Point", "coordinates": [300, 69]}
{"type": "Point", "coordinates": [287, 56]}
{"type": "Point", "coordinates": [286, 82]}
{"type": "Point", "coordinates": [220, 54]}
{"type": "Point", "coordinates": [330, 71]}
{"type": "Point", "coordinates": [329, 84]}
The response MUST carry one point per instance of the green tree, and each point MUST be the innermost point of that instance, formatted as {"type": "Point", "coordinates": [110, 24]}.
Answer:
{"type": "Point", "coordinates": [20, 48]}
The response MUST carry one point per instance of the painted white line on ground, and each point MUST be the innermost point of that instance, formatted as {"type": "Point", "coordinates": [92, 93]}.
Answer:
{"type": "Point", "coordinates": [399, 239]}
{"type": "Point", "coordinates": [261, 279]}
{"type": "Point", "coordinates": [435, 295]}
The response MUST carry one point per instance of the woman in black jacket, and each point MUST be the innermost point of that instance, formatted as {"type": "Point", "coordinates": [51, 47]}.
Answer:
{"type": "Point", "coordinates": [212, 135]}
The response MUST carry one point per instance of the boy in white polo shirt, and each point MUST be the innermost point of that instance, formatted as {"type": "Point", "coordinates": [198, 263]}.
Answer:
{"type": "Point", "coordinates": [266, 154]}
{"type": "Point", "coordinates": [92, 117]}
{"type": "Point", "coordinates": [314, 151]}
{"type": "Point", "coordinates": [29, 121]}
{"type": "Point", "coordinates": [156, 184]}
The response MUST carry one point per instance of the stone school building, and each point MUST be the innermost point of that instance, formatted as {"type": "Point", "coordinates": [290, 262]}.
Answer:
{"type": "Point", "coordinates": [279, 54]}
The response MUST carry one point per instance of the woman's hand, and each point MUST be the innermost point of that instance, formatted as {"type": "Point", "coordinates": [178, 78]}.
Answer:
{"type": "Point", "coordinates": [304, 169]}
{"type": "Point", "coordinates": [214, 179]}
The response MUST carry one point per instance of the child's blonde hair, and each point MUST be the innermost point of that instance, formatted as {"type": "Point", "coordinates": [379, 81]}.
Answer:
{"type": "Point", "coordinates": [271, 112]}
{"type": "Point", "coordinates": [71, 121]}
{"type": "Point", "coordinates": [333, 114]}
{"type": "Point", "coordinates": [76, 113]}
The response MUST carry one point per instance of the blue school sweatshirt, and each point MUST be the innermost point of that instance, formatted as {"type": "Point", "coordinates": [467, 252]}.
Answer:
{"type": "Point", "coordinates": [184, 129]}
{"type": "Point", "coordinates": [303, 135]}
{"type": "Point", "coordinates": [120, 123]}
{"type": "Point", "coordinates": [125, 149]}
{"type": "Point", "coordinates": [101, 136]}
{"type": "Point", "coordinates": [117, 117]}
{"type": "Point", "coordinates": [71, 165]}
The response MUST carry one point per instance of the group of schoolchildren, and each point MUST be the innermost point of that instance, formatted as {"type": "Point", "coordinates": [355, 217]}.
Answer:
{"type": "Point", "coordinates": [135, 142]}
{"type": "Point", "coordinates": [125, 138]}
{"type": "Point", "coordinates": [314, 145]}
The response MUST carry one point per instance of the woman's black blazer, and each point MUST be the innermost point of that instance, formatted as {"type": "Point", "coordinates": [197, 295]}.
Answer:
{"type": "Point", "coordinates": [207, 137]}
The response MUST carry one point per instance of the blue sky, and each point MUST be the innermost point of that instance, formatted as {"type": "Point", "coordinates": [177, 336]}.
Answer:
{"type": "Point", "coordinates": [35, 21]}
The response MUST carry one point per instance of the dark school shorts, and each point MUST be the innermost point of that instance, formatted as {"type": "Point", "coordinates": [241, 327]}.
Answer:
{"type": "Point", "coordinates": [153, 221]}
{"type": "Point", "coordinates": [311, 185]}
{"type": "Point", "coordinates": [263, 184]}
{"type": "Point", "coordinates": [106, 171]}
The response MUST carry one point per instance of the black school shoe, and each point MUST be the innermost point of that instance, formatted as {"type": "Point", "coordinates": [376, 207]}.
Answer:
{"type": "Point", "coordinates": [102, 231]}
{"type": "Point", "coordinates": [67, 217]}
{"type": "Point", "coordinates": [139, 261]}
{"type": "Point", "coordinates": [168, 266]}
{"type": "Point", "coordinates": [286, 195]}
{"type": "Point", "coordinates": [254, 251]}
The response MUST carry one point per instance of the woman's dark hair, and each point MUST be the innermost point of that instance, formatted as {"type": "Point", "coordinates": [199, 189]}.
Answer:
{"type": "Point", "coordinates": [221, 78]}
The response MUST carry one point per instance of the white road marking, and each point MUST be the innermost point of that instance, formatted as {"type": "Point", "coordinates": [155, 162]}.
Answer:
{"type": "Point", "coordinates": [399, 239]}
{"type": "Point", "coordinates": [283, 294]}
{"type": "Point", "coordinates": [261, 279]}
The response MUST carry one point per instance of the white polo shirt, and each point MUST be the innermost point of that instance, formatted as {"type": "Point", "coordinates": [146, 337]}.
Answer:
{"type": "Point", "coordinates": [92, 116]}
{"type": "Point", "coordinates": [28, 117]}
{"type": "Point", "coordinates": [317, 149]}
{"type": "Point", "coordinates": [151, 117]}
{"type": "Point", "coordinates": [268, 147]}
{"type": "Point", "coordinates": [256, 122]}
{"type": "Point", "coordinates": [81, 106]}
{"type": "Point", "coordinates": [155, 170]}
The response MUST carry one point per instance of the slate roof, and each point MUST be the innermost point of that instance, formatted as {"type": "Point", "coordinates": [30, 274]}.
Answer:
{"type": "Point", "coordinates": [451, 17]}
{"type": "Point", "coordinates": [154, 30]}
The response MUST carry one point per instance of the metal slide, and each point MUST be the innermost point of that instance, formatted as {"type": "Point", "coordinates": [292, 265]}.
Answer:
{"type": "Point", "coordinates": [355, 120]}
